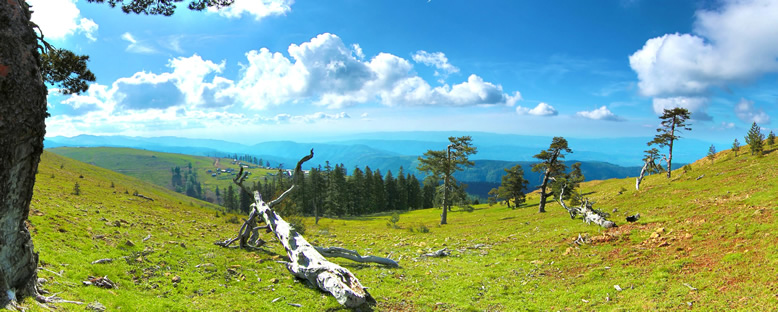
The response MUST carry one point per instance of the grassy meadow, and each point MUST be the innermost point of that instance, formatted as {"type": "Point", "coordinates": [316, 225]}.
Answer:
{"type": "Point", "coordinates": [155, 167]}
{"type": "Point", "coordinates": [701, 244]}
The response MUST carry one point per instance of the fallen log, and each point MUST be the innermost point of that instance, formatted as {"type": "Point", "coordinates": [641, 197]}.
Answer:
{"type": "Point", "coordinates": [305, 262]}
{"type": "Point", "coordinates": [589, 214]}
{"type": "Point", "coordinates": [353, 255]}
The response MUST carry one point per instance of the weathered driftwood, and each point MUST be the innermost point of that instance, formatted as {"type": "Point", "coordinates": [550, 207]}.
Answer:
{"type": "Point", "coordinates": [440, 253]}
{"type": "Point", "coordinates": [353, 255]}
{"type": "Point", "coordinates": [587, 212]}
{"type": "Point", "coordinates": [305, 262]}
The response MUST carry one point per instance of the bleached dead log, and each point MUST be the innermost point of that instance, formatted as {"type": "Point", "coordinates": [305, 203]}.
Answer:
{"type": "Point", "coordinates": [353, 255]}
{"type": "Point", "coordinates": [587, 212]}
{"type": "Point", "coordinates": [642, 174]}
{"type": "Point", "coordinates": [440, 253]}
{"type": "Point", "coordinates": [305, 262]}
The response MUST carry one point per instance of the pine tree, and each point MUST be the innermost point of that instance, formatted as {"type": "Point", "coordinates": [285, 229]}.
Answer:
{"type": "Point", "coordinates": [673, 121]}
{"type": "Point", "coordinates": [512, 187]}
{"type": "Point", "coordinates": [754, 139]}
{"type": "Point", "coordinates": [390, 185]}
{"type": "Point", "coordinates": [550, 166]}
{"type": "Point", "coordinates": [736, 147]}
{"type": "Point", "coordinates": [771, 139]}
{"type": "Point", "coordinates": [711, 152]}
{"type": "Point", "coordinates": [442, 165]}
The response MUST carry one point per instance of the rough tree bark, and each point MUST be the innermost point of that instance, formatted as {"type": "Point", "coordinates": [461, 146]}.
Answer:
{"type": "Point", "coordinates": [544, 185]}
{"type": "Point", "coordinates": [305, 262]}
{"type": "Point", "coordinates": [587, 212]}
{"type": "Point", "coordinates": [22, 127]}
{"type": "Point", "coordinates": [642, 174]}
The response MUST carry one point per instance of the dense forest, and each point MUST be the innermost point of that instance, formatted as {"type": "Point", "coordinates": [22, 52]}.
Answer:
{"type": "Point", "coordinates": [332, 191]}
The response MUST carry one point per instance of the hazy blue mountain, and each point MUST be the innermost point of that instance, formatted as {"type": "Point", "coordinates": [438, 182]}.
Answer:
{"type": "Point", "coordinates": [601, 158]}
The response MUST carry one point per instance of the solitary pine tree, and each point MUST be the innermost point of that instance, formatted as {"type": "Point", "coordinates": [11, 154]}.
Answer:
{"type": "Point", "coordinates": [550, 165]}
{"type": "Point", "coordinates": [771, 139]}
{"type": "Point", "coordinates": [736, 147]}
{"type": "Point", "coordinates": [442, 165]}
{"type": "Point", "coordinates": [512, 187]}
{"type": "Point", "coordinates": [711, 152]}
{"type": "Point", "coordinates": [754, 139]}
{"type": "Point", "coordinates": [673, 121]}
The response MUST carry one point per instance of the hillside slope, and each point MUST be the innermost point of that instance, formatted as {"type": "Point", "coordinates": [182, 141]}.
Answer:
{"type": "Point", "coordinates": [701, 244]}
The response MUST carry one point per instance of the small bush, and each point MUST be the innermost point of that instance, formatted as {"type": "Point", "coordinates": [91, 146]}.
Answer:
{"type": "Point", "coordinates": [112, 185]}
{"type": "Point", "coordinates": [233, 220]}
{"type": "Point", "coordinates": [392, 223]}
{"type": "Point", "coordinates": [687, 168]}
{"type": "Point", "coordinates": [422, 229]}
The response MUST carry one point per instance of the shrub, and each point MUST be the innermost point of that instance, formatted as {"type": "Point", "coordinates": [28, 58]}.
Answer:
{"type": "Point", "coordinates": [233, 220]}
{"type": "Point", "coordinates": [393, 221]}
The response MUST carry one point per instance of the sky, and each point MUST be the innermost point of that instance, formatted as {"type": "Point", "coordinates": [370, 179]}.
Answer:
{"type": "Point", "coordinates": [304, 70]}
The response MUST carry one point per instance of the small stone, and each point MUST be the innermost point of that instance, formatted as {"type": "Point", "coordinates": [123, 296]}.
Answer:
{"type": "Point", "coordinates": [176, 279]}
{"type": "Point", "coordinates": [274, 281]}
{"type": "Point", "coordinates": [129, 243]}
{"type": "Point", "coordinates": [96, 306]}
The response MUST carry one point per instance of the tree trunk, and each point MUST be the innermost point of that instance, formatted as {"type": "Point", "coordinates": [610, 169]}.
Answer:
{"type": "Point", "coordinates": [642, 174]}
{"type": "Point", "coordinates": [587, 212]}
{"type": "Point", "coordinates": [670, 154]}
{"type": "Point", "coordinates": [543, 194]}
{"type": "Point", "coordinates": [22, 127]}
{"type": "Point", "coordinates": [445, 186]}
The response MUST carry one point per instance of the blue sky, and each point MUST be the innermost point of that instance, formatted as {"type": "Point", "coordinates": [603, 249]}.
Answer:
{"type": "Point", "coordinates": [301, 70]}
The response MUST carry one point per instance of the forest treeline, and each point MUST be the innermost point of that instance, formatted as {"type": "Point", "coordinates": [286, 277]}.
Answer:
{"type": "Point", "coordinates": [332, 191]}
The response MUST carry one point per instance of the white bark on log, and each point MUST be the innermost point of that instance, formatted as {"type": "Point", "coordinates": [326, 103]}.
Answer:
{"type": "Point", "coordinates": [305, 262]}
{"type": "Point", "coordinates": [642, 174]}
{"type": "Point", "coordinates": [588, 213]}
{"type": "Point", "coordinates": [354, 256]}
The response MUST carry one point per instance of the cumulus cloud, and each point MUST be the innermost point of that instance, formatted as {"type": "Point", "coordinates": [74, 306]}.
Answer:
{"type": "Point", "coordinates": [734, 44]}
{"type": "Point", "coordinates": [737, 43]}
{"type": "Point", "coordinates": [542, 109]}
{"type": "Point", "coordinates": [696, 105]}
{"type": "Point", "coordinates": [135, 46]}
{"type": "Point", "coordinates": [601, 113]}
{"type": "Point", "coordinates": [746, 112]}
{"type": "Point", "coordinates": [329, 74]}
{"type": "Point", "coordinates": [61, 18]}
{"type": "Point", "coordinates": [259, 9]}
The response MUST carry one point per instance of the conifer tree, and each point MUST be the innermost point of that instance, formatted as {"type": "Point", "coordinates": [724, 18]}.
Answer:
{"type": "Point", "coordinates": [754, 139]}
{"type": "Point", "coordinates": [736, 147]}
{"type": "Point", "coordinates": [512, 187]}
{"type": "Point", "coordinates": [442, 165]}
{"type": "Point", "coordinates": [711, 152]}
{"type": "Point", "coordinates": [673, 121]}
{"type": "Point", "coordinates": [550, 166]}
{"type": "Point", "coordinates": [771, 139]}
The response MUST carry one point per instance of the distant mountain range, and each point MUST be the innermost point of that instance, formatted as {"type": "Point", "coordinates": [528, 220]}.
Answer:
{"type": "Point", "coordinates": [601, 158]}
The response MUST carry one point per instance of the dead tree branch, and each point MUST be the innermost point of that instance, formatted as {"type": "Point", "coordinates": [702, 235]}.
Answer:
{"type": "Point", "coordinates": [305, 261]}
{"type": "Point", "coordinates": [589, 214]}
{"type": "Point", "coordinates": [354, 256]}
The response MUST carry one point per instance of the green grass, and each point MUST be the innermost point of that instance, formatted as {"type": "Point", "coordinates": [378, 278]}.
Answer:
{"type": "Point", "coordinates": [155, 167]}
{"type": "Point", "coordinates": [715, 234]}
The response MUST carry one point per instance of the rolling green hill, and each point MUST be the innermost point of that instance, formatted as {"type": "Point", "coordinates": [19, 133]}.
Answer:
{"type": "Point", "coordinates": [155, 167]}
{"type": "Point", "coordinates": [702, 244]}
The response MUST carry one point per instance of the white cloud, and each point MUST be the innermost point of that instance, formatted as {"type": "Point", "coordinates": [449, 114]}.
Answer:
{"type": "Point", "coordinates": [327, 73]}
{"type": "Point", "coordinates": [542, 109]}
{"type": "Point", "coordinates": [437, 60]}
{"type": "Point", "coordinates": [746, 112]}
{"type": "Point", "coordinates": [736, 43]}
{"type": "Point", "coordinates": [135, 46]}
{"type": "Point", "coordinates": [696, 105]}
{"type": "Point", "coordinates": [61, 18]}
{"type": "Point", "coordinates": [358, 51]}
{"type": "Point", "coordinates": [731, 45]}
{"type": "Point", "coordinates": [601, 113]}
{"type": "Point", "coordinates": [257, 8]}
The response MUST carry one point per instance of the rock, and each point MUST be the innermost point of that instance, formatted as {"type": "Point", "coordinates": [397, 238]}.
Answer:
{"type": "Point", "coordinates": [96, 306]}
{"type": "Point", "coordinates": [129, 243]}
{"type": "Point", "coordinates": [274, 281]}
{"type": "Point", "coordinates": [176, 279]}
{"type": "Point", "coordinates": [42, 280]}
